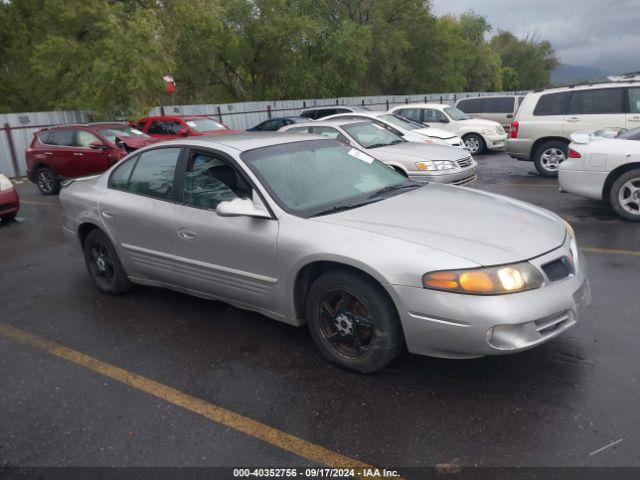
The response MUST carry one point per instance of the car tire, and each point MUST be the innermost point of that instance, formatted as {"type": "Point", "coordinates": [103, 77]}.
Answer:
{"type": "Point", "coordinates": [625, 195]}
{"type": "Point", "coordinates": [353, 321]}
{"type": "Point", "coordinates": [10, 217]}
{"type": "Point", "coordinates": [474, 143]}
{"type": "Point", "coordinates": [549, 156]}
{"type": "Point", "coordinates": [103, 264]}
{"type": "Point", "coordinates": [47, 181]}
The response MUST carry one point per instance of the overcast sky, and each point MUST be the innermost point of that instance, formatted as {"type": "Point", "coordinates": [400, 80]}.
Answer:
{"type": "Point", "coordinates": [603, 34]}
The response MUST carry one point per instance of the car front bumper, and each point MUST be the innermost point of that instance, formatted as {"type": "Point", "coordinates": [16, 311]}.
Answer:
{"type": "Point", "coordinates": [460, 177]}
{"type": "Point", "coordinates": [9, 202]}
{"type": "Point", "coordinates": [494, 141]}
{"type": "Point", "coordinates": [451, 325]}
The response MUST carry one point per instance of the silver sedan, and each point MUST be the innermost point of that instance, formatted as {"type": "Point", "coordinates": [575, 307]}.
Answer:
{"type": "Point", "coordinates": [416, 160]}
{"type": "Point", "coordinates": [305, 229]}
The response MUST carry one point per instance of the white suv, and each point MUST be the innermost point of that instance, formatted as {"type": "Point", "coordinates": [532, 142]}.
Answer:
{"type": "Point", "coordinates": [478, 135]}
{"type": "Point", "coordinates": [546, 119]}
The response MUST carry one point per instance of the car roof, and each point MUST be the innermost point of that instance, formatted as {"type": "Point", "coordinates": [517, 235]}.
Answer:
{"type": "Point", "coordinates": [91, 126]}
{"type": "Point", "coordinates": [421, 105]}
{"type": "Point", "coordinates": [587, 87]}
{"type": "Point", "coordinates": [337, 122]}
{"type": "Point", "coordinates": [167, 117]}
{"type": "Point", "coordinates": [244, 141]}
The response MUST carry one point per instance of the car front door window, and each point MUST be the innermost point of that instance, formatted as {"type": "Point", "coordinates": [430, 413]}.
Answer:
{"type": "Point", "coordinates": [210, 180]}
{"type": "Point", "coordinates": [153, 173]}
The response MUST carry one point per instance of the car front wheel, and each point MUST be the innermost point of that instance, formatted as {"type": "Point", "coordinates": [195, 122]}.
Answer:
{"type": "Point", "coordinates": [353, 322]}
{"type": "Point", "coordinates": [625, 195]}
{"type": "Point", "coordinates": [474, 143]}
{"type": "Point", "coordinates": [548, 158]}
{"type": "Point", "coordinates": [103, 264]}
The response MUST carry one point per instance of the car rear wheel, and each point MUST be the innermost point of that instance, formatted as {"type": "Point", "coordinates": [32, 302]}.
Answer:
{"type": "Point", "coordinates": [353, 322]}
{"type": "Point", "coordinates": [474, 143]}
{"type": "Point", "coordinates": [9, 217]}
{"type": "Point", "coordinates": [47, 181]}
{"type": "Point", "coordinates": [103, 264]}
{"type": "Point", "coordinates": [625, 195]}
{"type": "Point", "coordinates": [548, 158]}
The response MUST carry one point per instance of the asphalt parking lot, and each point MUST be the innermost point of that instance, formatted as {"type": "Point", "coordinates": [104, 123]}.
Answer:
{"type": "Point", "coordinates": [157, 378]}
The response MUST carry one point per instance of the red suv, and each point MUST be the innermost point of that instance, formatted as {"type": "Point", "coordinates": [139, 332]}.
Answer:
{"type": "Point", "coordinates": [70, 151]}
{"type": "Point", "coordinates": [167, 127]}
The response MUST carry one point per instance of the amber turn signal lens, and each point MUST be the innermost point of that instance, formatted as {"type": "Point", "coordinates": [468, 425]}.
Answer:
{"type": "Point", "coordinates": [441, 280]}
{"type": "Point", "coordinates": [476, 282]}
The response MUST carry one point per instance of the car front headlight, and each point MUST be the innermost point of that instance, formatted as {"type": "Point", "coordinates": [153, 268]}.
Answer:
{"type": "Point", "coordinates": [434, 165]}
{"type": "Point", "coordinates": [5, 183]}
{"type": "Point", "coordinates": [434, 140]}
{"type": "Point", "coordinates": [498, 280]}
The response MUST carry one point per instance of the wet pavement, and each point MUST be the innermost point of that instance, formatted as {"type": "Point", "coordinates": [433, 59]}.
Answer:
{"type": "Point", "coordinates": [552, 406]}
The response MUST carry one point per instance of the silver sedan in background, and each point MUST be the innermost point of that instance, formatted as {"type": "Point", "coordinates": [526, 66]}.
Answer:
{"type": "Point", "coordinates": [418, 161]}
{"type": "Point", "coordinates": [305, 229]}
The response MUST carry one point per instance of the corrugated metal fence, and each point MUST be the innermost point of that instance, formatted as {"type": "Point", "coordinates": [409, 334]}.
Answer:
{"type": "Point", "coordinates": [16, 129]}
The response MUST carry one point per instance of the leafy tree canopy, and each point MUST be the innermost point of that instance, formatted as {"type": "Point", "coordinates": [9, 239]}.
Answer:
{"type": "Point", "coordinates": [109, 56]}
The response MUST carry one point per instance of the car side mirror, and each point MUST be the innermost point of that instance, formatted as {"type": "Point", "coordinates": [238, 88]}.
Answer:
{"type": "Point", "coordinates": [443, 120]}
{"type": "Point", "coordinates": [243, 207]}
{"type": "Point", "coordinates": [509, 115]}
{"type": "Point", "coordinates": [184, 131]}
{"type": "Point", "coordinates": [97, 145]}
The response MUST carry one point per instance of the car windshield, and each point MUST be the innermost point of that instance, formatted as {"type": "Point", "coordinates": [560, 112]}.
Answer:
{"type": "Point", "coordinates": [401, 122]}
{"type": "Point", "coordinates": [633, 134]}
{"type": "Point", "coordinates": [316, 177]}
{"type": "Point", "coordinates": [372, 135]}
{"type": "Point", "coordinates": [456, 114]}
{"type": "Point", "coordinates": [112, 132]}
{"type": "Point", "coordinates": [204, 124]}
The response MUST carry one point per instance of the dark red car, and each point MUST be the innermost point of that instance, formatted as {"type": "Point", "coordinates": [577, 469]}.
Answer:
{"type": "Point", "coordinates": [9, 201]}
{"type": "Point", "coordinates": [166, 127]}
{"type": "Point", "coordinates": [70, 151]}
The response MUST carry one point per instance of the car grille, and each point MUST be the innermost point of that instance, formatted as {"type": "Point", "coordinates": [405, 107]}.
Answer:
{"type": "Point", "coordinates": [465, 181]}
{"type": "Point", "coordinates": [500, 129]}
{"type": "Point", "coordinates": [558, 269]}
{"type": "Point", "coordinates": [465, 162]}
{"type": "Point", "coordinates": [549, 325]}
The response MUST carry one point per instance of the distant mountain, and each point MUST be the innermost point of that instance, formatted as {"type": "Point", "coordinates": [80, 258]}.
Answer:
{"type": "Point", "coordinates": [564, 74]}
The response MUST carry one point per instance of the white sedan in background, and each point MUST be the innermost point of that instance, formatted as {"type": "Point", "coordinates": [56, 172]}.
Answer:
{"type": "Point", "coordinates": [410, 130]}
{"type": "Point", "coordinates": [606, 169]}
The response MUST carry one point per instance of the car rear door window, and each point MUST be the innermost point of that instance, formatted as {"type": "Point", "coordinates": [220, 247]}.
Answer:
{"type": "Point", "coordinates": [634, 100]}
{"type": "Point", "coordinates": [210, 180]}
{"type": "Point", "coordinates": [433, 115]}
{"type": "Point", "coordinates": [62, 138]}
{"type": "Point", "coordinates": [298, 130]}
{"type": "Point", "coordinates": [552, 104]}
{"type": "Point", "coordinates": [498, 105]}
{"type": "Point", "coordinates": [164, 127]}
{"type": "Point", "coordinates": [119, 178]}
{"type": "Point", "coordinates": [593, 102]}
{"type": "Point", "coordinates": [153, 173]}
{"type": "Point", "coordinates": [471, 105]}
{"type": "Point", "coordinates": [414, 114]}
{"type": "Point", "coordinates": [326, 132]}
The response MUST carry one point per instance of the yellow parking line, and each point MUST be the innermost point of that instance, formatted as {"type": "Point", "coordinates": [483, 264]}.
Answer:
{"type": "Point", "coordinates": [613, 251]}
{"type": "Point", "coordinates": [221, 415]}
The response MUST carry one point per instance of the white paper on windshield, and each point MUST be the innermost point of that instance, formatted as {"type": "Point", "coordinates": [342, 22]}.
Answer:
{"type": "Point", "coordinates": [191, 124]}
{"type": "Point", "coordinates": [360, 155]}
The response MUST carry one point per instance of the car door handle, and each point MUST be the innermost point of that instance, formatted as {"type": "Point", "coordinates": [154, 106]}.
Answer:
{"type": "Point", "coordinates": [78, 154]}
{"type": "Point", "coordinates": [186, 234]}
{"type": "Point", "coordinates": [48, 153]}
{"type": "Point", "coordinates": [573, 119]}
{"type": "Point", "coordinates": [634, 119]}
{"type": "Point", "coordinates": [107, 214]}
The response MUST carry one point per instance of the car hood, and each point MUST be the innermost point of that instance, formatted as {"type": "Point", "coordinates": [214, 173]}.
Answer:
{"type": "Point", "coordinates": [478, 122]}
{"type": "Point", "coordinates": [434, 132]}
{"type": "Point", "coordinates": [484, 228]}
{"type": "Point", "coordinates": [416, 151]}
